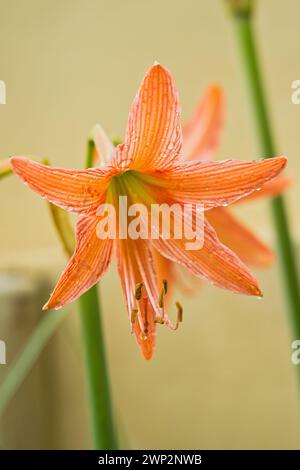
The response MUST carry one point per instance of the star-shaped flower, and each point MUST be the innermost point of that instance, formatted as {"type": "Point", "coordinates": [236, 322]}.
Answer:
{"type": "Point", "coordinates": [148, 167]}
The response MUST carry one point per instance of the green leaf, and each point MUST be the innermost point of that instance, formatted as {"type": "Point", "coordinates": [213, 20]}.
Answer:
{"type": "Point", "coordinates": [28, 356]}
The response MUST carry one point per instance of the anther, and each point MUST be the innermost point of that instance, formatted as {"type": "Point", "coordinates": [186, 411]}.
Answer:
{"type": "Point", "coordinates": [143, 336]}
{"type": "Point", "coordinates": [138, 290]}
{"type": "Point", "coordinates": [162, 294]}
{"type": "Point", "coordinates": [160, 320]}
{"type": "Point", "coordinates": [146, 324]}
{"type": "Point", "coordinates": [134, 313]}
{"type": "Point", "coordinates": [179, 312]}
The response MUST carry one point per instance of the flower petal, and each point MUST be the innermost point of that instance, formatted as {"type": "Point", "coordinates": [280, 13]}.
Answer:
{"type": "Point", "coordinates": [153, 137]}
{"type": "Point", "coordinates": [270, 189]}
{"type": "Point", "coordinates": [89, 262]}
{"type": "Point", "coordinates": [79, 191]}
{"type": "Point", "coordinates": [165, 270]}
{"type": "Point", "coordinates": [103, 146]}
{"type": "Point", "coordinates": [239, 238]}
{"type": "Point", "coordinates": [135, 265]}
{"type": "Point", "coordinates": [214, 184]}
{"type": "Point", "coordinates": [201, 133]}
{"type": "Point", "coordinates": [213, 262]}
{"type": "Point", "coordinates": [146, 335]}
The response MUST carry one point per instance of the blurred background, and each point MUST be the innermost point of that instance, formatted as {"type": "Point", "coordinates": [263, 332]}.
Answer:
{"type": "Point", "coordinates": [225, 379]}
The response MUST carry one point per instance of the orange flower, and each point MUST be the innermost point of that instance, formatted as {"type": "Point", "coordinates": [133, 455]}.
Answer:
{"type": "Point", "coordinates": [148, 168]}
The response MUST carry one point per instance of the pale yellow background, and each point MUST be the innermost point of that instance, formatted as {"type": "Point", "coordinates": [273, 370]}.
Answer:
{"type": "Point", "coordinates": [224, 380]}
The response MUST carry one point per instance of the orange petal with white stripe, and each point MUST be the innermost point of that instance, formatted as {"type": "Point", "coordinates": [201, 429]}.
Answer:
{"type": "Point", "coordinates": [271, 189]}
{"type": "Point", "coordinates": [201, 133]}
{"type": "Point", "coordinates": [213, 262]}
{"type": "Point", "coordinates": [79, 191]}
{"type": "Point", "coordinates": [239, 238]}
{"type": "Point", "coordinates": [103, 146]}
{"type": "Point", "coordinates": [136, 266]}
{"type": "Point", "coordinates": [215, 184]}
{"type": "Point", "coordinates": [89, 262]}
{"type": "Point", "coordinates": [153, 137]}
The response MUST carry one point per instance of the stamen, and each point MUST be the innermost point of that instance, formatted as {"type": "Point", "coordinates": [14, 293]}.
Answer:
{"type": "Point", "coordinates": [134, 314]}
{"type": "Point", "coordinates": [133, 317]}
{"type": "Point", "coordinates": [146, 323]}
{"type": "Point", "coordinates": [179, 312]}
{"type": "Point", "coordinates": [160, 320]}
{"type": "Point", "coordinates": [143, 336]}
{"type": "Point", "coordinates": [179, 317]}
{"type": "Point", "coordinates": [163, 319]}
{"type": "Point", "coordinates": [162, 294]}
{"type": "Point", "coordinates": [138, 290]}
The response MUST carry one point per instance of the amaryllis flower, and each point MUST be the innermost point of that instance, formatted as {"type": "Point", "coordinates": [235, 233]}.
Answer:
{"type": "Point", "coordinates": [148, 167]}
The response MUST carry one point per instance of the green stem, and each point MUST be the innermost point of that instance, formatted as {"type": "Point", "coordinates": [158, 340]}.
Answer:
{"type": "Point", "coordinates": [89, 154]}
{"type": "Point", "coordinates": [96, 370]}
{"type": "Point", "coordinates": [245, 40]}
{"type": "Point", "coordinates": [95, 360]}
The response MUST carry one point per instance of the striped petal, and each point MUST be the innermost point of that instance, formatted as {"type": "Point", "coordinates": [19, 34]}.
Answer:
{"type": "Point", "coordinates": [89, 262]}
{"type": "Point", "coordinates": [239, 238]}
{"type": "Point", "coordinates": [79, 191]}
{"type": "Point", "coordinates": [214, 184]}
{"type": "Point", "coordinates": [213, 262]}
{"type": "Point", "coordinates": [153, 137]}
{"type": "Point", "coordinates": [201, 133]}
{"type": "Point", "coordinates": [270, 189]}
{"type": "Point", "coordinates": [135, 266]}
{"type": "Point", "coordinates": [103, 146]}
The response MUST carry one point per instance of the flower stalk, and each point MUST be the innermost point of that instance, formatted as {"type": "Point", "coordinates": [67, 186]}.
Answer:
{"type": "Point", "coordinates": [104, 436]}
{"type": "Point", "coordinates": [5, 168]}
{"type": "Point", "coordinates": [248, 53]}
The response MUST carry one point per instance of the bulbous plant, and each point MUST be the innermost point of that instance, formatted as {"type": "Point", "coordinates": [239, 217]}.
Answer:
{"type": "Point", "coordinates": [148, 168]}
{"type": "Point", "coordinates": [159, 162]}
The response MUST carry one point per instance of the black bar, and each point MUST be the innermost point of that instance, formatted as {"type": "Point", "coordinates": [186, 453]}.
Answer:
{"type": "Point", "coordinates": [135, 458]}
